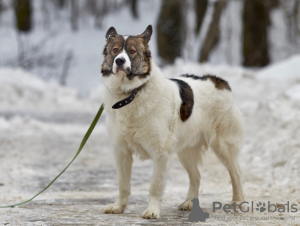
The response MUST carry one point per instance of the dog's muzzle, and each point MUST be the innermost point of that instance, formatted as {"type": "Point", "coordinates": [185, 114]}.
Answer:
{"type": "Point", "coordinates": [120, 62]}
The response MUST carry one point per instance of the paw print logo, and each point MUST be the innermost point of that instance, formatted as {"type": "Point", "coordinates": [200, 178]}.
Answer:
{"type": "Point", "coordinates": [261, 207]}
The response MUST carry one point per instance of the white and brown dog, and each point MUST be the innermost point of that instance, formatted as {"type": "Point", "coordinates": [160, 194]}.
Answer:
{"type": "Point", "coordinates": [152, 116]}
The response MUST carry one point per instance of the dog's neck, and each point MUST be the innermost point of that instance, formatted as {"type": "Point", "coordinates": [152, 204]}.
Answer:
{"type": "Point", "coordinates": [151, 86]}
{"type": "Point", "coordinates": [127, 100]}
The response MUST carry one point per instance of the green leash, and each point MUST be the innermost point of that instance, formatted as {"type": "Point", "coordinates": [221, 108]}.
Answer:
{"type": "Point", "coordinates": [84, 140]}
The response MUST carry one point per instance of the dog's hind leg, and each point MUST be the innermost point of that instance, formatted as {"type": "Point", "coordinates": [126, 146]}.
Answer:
{"type": "Point", "coordinates": [227, 151]}
{"type": "Point", "coordinates": [189, 159]}
{"type": "Point", "coordinates": [123, 159]}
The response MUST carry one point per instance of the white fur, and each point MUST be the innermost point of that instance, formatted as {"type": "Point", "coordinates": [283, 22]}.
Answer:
{"type": "Point", "coordinates": [150, 127]}
{"type": "Point", "coordinates": [127, 63]}
{"type": "Point", "coordinates": [124, 55]}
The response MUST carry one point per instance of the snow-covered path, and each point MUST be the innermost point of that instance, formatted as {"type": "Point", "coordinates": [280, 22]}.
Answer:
{"type": "Point", "coordinates": [39, 134]}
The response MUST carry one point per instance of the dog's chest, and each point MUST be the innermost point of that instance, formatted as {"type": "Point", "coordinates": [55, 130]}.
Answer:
{"type": "Point", "coordinates": [135, 132]}
{"type": "Point", "coordinates": [130, 128]}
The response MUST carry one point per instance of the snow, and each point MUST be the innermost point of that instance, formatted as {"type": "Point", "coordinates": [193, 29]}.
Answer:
{"type": "Point", "coordinates": [294, 92]}
{"type": "Point", "coordinates": [86, 44]}
{"type": "Point", "coordinates": [23, 91]}
{"type": "Point", "coordinates": [42, 124]}
{"type": "Point", "coordinates": [287, 69]}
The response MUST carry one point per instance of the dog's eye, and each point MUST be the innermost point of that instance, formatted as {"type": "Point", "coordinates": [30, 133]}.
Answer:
{"type": "Point", "coordinates": [131, 51]}
{"type": "Point", "coordinates": [115, 50]}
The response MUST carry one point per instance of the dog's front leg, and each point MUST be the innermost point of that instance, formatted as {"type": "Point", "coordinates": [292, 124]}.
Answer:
{"type": "Point", "coordinates": [123, 159]}
{"type": "Point", "coordinates": [160, 168]}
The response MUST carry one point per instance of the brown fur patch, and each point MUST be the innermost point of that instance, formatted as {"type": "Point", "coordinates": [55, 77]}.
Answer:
{"type": "Point", "coordinates": [113, 42]}
{"type": "Point", "coordinates": [141, 59]}
{"type": "Point", "coordinates": [219, 82]}
{"type": "Point", "coordinates": [187, 98]}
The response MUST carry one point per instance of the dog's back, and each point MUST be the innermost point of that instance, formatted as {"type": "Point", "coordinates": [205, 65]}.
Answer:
{"type": "Point", "coordinates": [213, 114]}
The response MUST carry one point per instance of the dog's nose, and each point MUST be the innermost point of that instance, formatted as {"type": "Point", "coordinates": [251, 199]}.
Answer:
{"type": "Point", "coordinates": [120, 61]}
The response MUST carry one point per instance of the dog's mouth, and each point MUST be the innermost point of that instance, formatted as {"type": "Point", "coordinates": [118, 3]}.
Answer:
{"type": "Point", "coordinates": [126, 70]}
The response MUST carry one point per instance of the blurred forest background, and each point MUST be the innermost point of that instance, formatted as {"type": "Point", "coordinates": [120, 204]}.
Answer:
{"type": "Point", "coordinates": [50, 90]}
{"type": "Point", "coordinates": [62, 40]}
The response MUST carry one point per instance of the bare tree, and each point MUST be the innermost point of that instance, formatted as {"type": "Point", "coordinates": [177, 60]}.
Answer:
{"type": "Point", "coordinates": [170, 28]}
{"type": "Point", "coordinates": [23, 15]}
{"type": "Point", "coordinates": [200, 8]}
{"type": "Point", "coordinates": [98, 8]}
{"type": "Point", "coordinates": [66, 66]}
{"type": "Point", "coordinates": [74, 14]}
{"type": "Point", "coordinates": [21, 51]}
{"type": "Point", "coordinates": [100, 13]}
{"type": "Point", "coordinates": [134, 8]}
{"type": "Point", "coordinates": [91, 6]}
{"type": "Point", "coordinates": [46, 15]}
{"type": "Point", "coordinates": [255, 33]}
{"type": "Point", "coordinates": [213, 33]}
{"type": "Point", "coordinates": [33, 56]}
{"type": "Point", "coordinates": [291, 10]}
{"type": "Point", "coordinates": [296, 16]}
{"type": "Point", "coordinates": [61, 3]}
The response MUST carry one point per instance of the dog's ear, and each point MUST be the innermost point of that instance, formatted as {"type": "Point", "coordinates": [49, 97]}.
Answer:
{"type": "Point", "coordinates": [146, 35]}
{"type": "Point", "coordinates": [111, 33]}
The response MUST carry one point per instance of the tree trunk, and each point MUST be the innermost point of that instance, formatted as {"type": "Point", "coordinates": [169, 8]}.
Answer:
{"type": "Point", "coordinates": [297, 17]}
{"type": "Point", "coordinates": [46, 16]}
{"type": "Point", "coordinates": [213, 33]}
{"type": "Point", "coordinates": [74, 15]}
{"type": "Point", "coordinates": [134, 8]}
{"type": "Point", "coordinates": [170, 28]}
{"type": "Point", "coordinates": [101, 9]}
{"type": "Point", "coordinates": [91, 6]}
{"type": "Point", "coordinates": [255, 33]}
{"type": "Point", "coordinates": [200, 8]}
{"type": "Point", "coordinates": [23, 15]}
{"type": "Point", "coordinates": [66, 66]}
{"type": "Point", "coordinates": [273, 3]}
{"type": "Point", "coordinates": [61, 3]}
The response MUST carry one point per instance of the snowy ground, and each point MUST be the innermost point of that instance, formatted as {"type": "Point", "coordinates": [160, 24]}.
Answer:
{"type": "Point", "coordinates": [41, 126]}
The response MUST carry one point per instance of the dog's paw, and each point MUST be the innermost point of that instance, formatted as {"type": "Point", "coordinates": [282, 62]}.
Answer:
{"type": "Point", "coordinates": [151, 213]}
{"type": "Point", "coordinates": [114, 208]}
{"type": "Point", "coordinates": [188, 205]}
{"type": "Point", "coordinates": [239, 205]}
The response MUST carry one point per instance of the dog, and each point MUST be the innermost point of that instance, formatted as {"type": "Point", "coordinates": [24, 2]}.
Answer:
{"type": "Point", "coordinates": [152, 117]}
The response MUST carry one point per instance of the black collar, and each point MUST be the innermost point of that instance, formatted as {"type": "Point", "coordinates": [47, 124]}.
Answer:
{"type": "Point", "coordinates": [127, 100]}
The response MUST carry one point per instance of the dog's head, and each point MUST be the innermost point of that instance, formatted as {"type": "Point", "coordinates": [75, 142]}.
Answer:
{"type": "Point", "coordinates": [127, 59]}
